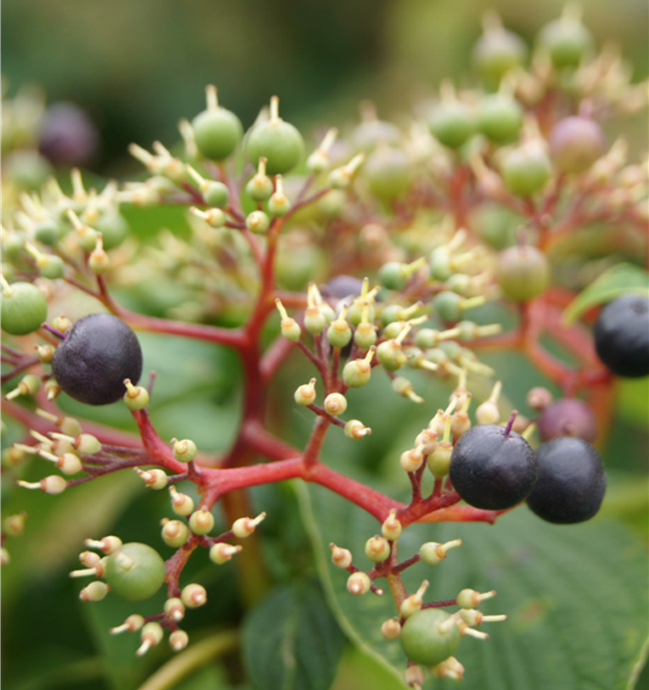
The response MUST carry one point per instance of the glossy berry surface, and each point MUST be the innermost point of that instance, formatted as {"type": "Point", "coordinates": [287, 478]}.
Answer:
{"type": "Point", "coordinates": [491, 469]}
{"type": "Point", "coordinates": [622, 336]}
{"type": "Point", "coordinates": [567, 417]}
{"type": "Point", "coordinates": [571, 482]}
{"type": "Point", "coordinates": [135, 571]}
{"type": "Point", "coordinates": [98, 353]}
{"type": "Point", "coordinates": [24, 309]}
{"type": "Point", "coordinates": [428, 639]}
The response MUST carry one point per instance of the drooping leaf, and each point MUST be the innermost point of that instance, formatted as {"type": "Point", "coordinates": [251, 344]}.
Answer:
{"type": "Point", "coordinates": [575, 595]}
{"type": "Point", "coordinates": [613, 283]}
{"type": "Point", "coordinates": [291, 640]}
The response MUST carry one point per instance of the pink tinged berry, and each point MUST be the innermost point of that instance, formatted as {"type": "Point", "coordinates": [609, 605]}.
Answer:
{"type": "Point", "coordinates": [576, 143]}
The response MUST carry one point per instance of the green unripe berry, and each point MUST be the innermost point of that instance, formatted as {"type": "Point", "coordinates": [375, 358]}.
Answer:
{"type": "Point", "coordinates": [216, 194]}
{"type": "Point", "coordinates": [522, 272]}
{"type": "Point", "coordinates": [277, 141]}
{"type": "Point", "coordinates": [339, 333]}
{"type": "Point", "coordinates": [47, 232]}
{"type": "Point", "coordinates": [500, 118]}
{"type": "Point", "coordinates": [185, 450]}
{"type": "Point", "coordinates": [388, 172]}
{"type": "Point", "coordinates": [440, 265]}
{"type": "Point", "coordinates": [430, 636]}
{"type": "Point", "coordinates": [113, 228]}
{"type": "Point", "coordinates": [426, 337]}
{"type": "Point", "coordinates": [447, 305]}
{"type": "Point", "coordinates": [393, 329]}
{"type": "Point", "coordinates": [258, 222]}
{"type": "Point", "coordinates": [355, 312]}
{"type": "Point", "coordinates": [393, 276]}
{"type": "Point", "coordinates": [365, 335]}
{"type": "Point", "coordinates": [450, 348]}
{"type": "Point", "coordinates": [526, 169]}
{"type": "Point", "coordinates": [497, 52]}
{"type": "Point", "coordinates": [377, 549]}
{"type": "Point", "coordinates": [175, 533]}
{"type": "Point", "coordinates": [260, 188]}
{"type": "Point", "coordinates": [135, 571]}
{"type": "Point", "coordinates": [51, 266]}
{"type": "Point", "coordinates": [201, 521]}
{"type": "Point", "coordinates": [24, 309]}
{"type": "Point", "coordinates": [357, 373]}
{"type": "Point", "coordinates": [566, 41]}
{"type": "Point", "coordinates": [390, 355]}
{"type": "Point", "coordinates": [451, 124]}
{"type": "Point", "coordinates": [390, 314]}
{"type": "Point", "coordinates": [217, 132]}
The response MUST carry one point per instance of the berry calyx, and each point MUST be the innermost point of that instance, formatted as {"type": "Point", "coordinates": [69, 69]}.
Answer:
{"type": "Point", "coordinates": [622, 336]}
{"type": "Point", "coordinates": [217, 131]}
{"type": "Point", "coordinates": [571, 483]}
{"type": "Point", "coordinates": [134, 571]}
{"type": "Point", "coordinates": [430, 636]}
{"type": "Point", "coordinates": [492, 467]}
{"type": "Point", "coordinates": [99, 352]}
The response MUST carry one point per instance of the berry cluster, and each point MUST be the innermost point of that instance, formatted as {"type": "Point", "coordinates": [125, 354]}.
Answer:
{"type": "Point", "coordinates": [378, 255]}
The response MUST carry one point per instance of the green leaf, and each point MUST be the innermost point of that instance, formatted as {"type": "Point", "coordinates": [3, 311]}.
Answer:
{"type": "Point", "coordinates": [575, 595]}
{"type": "Point", "coordinates": [613, 283]}
{"type": "Point", "coordinates": [291, 641]}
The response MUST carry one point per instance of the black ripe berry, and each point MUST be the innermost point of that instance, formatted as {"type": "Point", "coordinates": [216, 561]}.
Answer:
{"type": "Point", "coordinates": [98, 353]}
{"type": "Point", "coordinates": [622, 336]}
{"type": "Point", "coordinates": [571, 483]}
{"type": "Point", "coordinates": [493, 468]}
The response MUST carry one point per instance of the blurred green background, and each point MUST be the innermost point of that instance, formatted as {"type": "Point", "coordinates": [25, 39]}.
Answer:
{"type": "Point", "coordinates": [137, 67]}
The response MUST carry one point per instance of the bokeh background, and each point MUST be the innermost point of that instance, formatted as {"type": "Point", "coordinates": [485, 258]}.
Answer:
{"type": "Point", "coordinates": [137, 67]}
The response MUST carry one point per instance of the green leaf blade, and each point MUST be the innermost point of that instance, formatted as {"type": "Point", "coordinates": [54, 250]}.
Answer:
{"type": "Point", "coordinates": [613, 283]}
{"type": "Point", "coordinates": [291, 641]}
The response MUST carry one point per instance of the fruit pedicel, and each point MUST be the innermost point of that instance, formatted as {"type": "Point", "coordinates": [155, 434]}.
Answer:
{"type": "Point", "coordinates": [402, 218]}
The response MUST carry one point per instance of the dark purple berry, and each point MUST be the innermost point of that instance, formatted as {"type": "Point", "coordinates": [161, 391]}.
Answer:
{"type": "Point", "coordinates": [68, 137]}
{"type": "Point", "coordinates": [567, 417]}
{"type": "Point", "coordinates": [622, 336]}
{"type": "Point", "coordinates": [98, 353]}
{"type": "Point", "coordinates": [493, 469]}
{"type": "Point", "coordinates": [571, 482]}
{"type": "Point", "coordinates": [342, 286]}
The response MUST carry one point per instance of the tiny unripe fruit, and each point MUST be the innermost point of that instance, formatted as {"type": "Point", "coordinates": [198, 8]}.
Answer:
{"type": "Point", "coordinates": [357, 373]}
{"type": "Point", "coordinates": [178, 640]}
{"type": "Point", "coordinates": [135, 571]}
{"type": "Point", "coordinates": [500, 118]}
{"type": "Point", "coordinates": [216, 194]}
{"type": "Point", "coordinates": [451, 123]}
{"type": "Point", "coordinates": [185, 450]}
{"type": "Point", "coordinates": [24, 309]}
{"type": "Point", "coordinates": [497, 52]}
{"type": "Point", "coordinates": [175, 533]}
{"type": "Point", "coordinates": [526, 169]}
{"type": "Point", "coordinates": [575, 144]}
{"type": "Point", "coordinates": [566, 41]}
{"type": "Point", "coordinates": [567, 417]}
{"type": "Point", "coordinates": [193, 596]}
{"type": "Point", "coordinates": [335, 404]}
{"type": "Point", "coordinates": [391, 629]}
{"type": "Point", "coordinates": [377, 549]}
{"type": "Point", "coordinates": [523, 272]}
{"type": "Point", "coordinates": [98, 353]}
{"type": "Point", "coordinates": [429, 636]}
{"type": "Point", "coordinates": [201, 521]}
{"type": "Point", "coordinates": [391, 527]}
{"type": "Point", "coordinates": [217, 132]}
{"type": "Point", "coordinates": [257, 221]}
{"type": "Point", "coordinates": [388, 172]}
{"type": "Point", "coordinates": [358, 583]}
{"type": "Point", "coordinates": [277, 141]}
{"type": "Point", "coordinates": [341, 558]}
